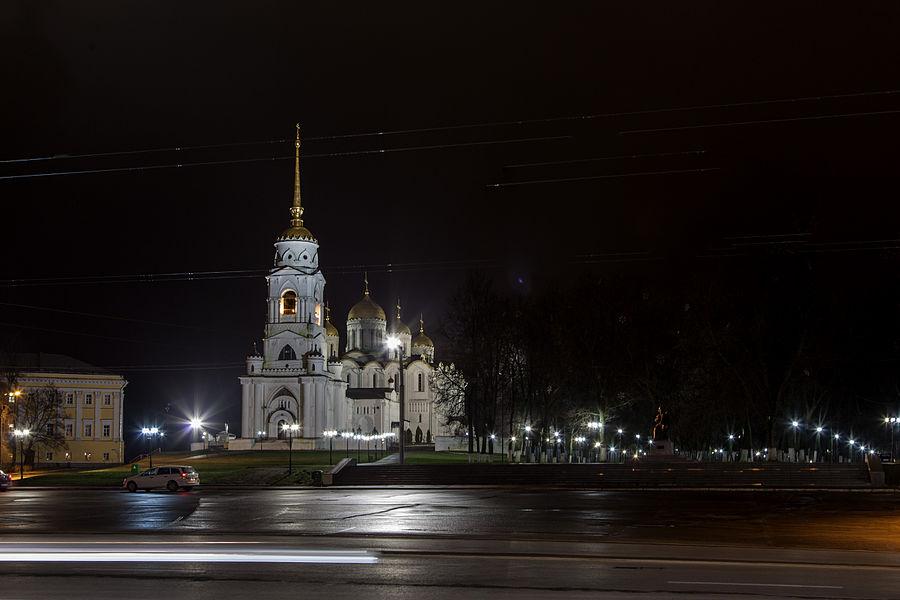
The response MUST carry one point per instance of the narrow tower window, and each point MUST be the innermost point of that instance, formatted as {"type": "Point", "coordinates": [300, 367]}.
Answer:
{"type": "Point", "coordinates": [289, 303]}
{"type": "Point", "coordinates": [287, 353]}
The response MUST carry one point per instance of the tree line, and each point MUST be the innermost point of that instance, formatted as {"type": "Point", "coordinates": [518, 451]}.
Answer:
{"type": "Point", "coordinates": [735, 352]}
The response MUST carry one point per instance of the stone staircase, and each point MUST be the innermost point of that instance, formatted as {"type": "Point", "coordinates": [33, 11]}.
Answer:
{"type": "Point", "coordinates": [654, 474]}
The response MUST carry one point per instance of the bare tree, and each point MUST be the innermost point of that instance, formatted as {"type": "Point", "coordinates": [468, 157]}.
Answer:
{"type": "Point", "coordinates": [40, 412]}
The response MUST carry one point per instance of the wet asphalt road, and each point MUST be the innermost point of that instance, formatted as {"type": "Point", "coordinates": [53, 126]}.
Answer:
{"type": "Point", "coordinates": [440, 543]}
{"type": "Point", "coordinates": [851, 520]}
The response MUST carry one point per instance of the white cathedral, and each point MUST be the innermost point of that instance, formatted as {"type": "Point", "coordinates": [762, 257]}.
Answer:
{"type": "Point", "coordinates": [301, 379]}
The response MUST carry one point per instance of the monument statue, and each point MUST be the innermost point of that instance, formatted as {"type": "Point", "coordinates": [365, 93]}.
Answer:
{"type": "Point", "coordinates": [661, 425]}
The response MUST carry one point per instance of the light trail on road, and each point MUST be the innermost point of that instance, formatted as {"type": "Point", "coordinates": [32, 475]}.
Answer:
{"type": "Point", "coordinates": [128, 552]}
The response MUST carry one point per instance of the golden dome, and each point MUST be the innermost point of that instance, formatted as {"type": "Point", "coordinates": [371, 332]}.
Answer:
{"type": "Point", "coordinates": [398, 327]}
{"type": "Point", "coordinates": [366, 309]}
{"type": "Point", "coordinates": [296, 232]}
{"type": "Point", "coordinates": [330, 329]}
{"type": "Point", "coordinates": [422, 340]}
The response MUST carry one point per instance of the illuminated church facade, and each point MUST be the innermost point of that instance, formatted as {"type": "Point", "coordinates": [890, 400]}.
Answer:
{"type": "Point", "coordinates": [300, 377]}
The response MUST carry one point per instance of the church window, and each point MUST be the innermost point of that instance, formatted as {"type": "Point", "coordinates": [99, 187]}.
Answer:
{"type": "Point", "coordinates": [348, 378]}
{"type": "Point", "coordinates": [289, 303]}
{"type": "Point", "coordinates": [287, 353]}
{"type": "Point", "coordinates": [421, 383]}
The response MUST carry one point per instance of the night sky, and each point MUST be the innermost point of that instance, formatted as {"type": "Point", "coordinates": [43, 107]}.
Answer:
{"type": "Point", "coordinates": [523, 138]}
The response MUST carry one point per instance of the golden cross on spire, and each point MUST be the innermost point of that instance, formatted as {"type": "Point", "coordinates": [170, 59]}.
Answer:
{"type": "Point", "coordinates": [398, 309]}
{"type": "Point", "coordinates": [366, 279]}
{"type": "Point", "coordinates": [421, 324]}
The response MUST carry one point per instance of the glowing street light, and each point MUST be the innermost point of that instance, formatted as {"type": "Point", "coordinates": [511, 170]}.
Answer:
{"type": "Point", "coordinates": [148, 433]}
{"type": "Point", "coordinates": [394, 343]}
{"type": "Point", "coordinates": [21, 434]}
{"type": "Point", "coordinates": [330, 434]}
{"type": "Point", "coordinates": [290, 430]}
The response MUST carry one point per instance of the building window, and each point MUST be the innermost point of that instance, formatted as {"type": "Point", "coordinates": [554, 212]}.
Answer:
{"type": "Point", "coordinates": [50, 430]}
{"type": "Point", "coordinates": [69, 430]}
{"type": "Point", "coordinates": [70, 398]}
{"type": "Point", "coordinates": [348, 379]}
{"type": "Point", "coordinates": [107, 399]}
{"type": "Point", "coordinates": [87, 456]}
{"type": "Point", "coordinates": [88, 399]}
{"type": "Point", "coordinates": [106, 430]}
{"type": "Point", "coordinates": [88, 430]}
{"type": "Point", "coordinates": [289, 303]}
{"type": "Point", "coordinates": [48, 457]}
{"type": "Point", "coordinates": [106, 457]}
{"type": "Point", "coordinates": [287, 353]}
{"type": "Point", "coordinates": [421, 382]}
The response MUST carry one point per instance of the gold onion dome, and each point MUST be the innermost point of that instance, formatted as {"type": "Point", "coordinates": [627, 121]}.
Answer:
{"type": "Point", "coordinates": [330, 329]}
{"type": "Point", "coordinates": [398, 327]}
{"type": "Point", "coordinates": [422, 339]}
{"type": "Point", "coordinates": [366, 309]}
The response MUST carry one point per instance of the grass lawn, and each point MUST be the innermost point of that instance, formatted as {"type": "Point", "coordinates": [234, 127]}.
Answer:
{"type": "Point", "coordinates": [259, 467]}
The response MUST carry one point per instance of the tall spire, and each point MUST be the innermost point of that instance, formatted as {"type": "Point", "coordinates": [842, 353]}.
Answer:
{"type": "Point", "coordinates": [296, 207]}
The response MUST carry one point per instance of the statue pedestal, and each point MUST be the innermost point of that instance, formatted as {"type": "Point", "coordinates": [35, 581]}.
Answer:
{"type": "Point", "coordinates": [662, 448]}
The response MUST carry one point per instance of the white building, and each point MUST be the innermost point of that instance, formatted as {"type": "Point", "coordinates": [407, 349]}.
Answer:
{"type": "Point", "coordinates": [300, 378]}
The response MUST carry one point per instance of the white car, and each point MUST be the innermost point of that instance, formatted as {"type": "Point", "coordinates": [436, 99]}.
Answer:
{"type": "Point", "coordinates": [171, 477]}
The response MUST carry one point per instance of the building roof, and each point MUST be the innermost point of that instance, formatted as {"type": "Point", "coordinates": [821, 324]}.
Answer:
{"type": "Point", "coordinates": [43, 362]}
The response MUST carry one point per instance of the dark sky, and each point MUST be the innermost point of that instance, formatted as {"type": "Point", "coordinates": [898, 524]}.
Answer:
{"type": "Point", "coordinates": [468, 95]}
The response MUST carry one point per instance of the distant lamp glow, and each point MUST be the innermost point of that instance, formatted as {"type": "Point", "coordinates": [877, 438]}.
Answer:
{"type": "Point", "coordinates": [795, 423]}
{"type": "Point", "coordinates": [819, 430]}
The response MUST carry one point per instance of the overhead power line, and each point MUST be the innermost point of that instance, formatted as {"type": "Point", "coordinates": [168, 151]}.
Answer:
{"type": "Point", "coordinates": [286, 157]}
{"type": "Point", "coordinates": [762, 121]}
{"type": "Point", "coordinates": [594, 177]}
{"type": "Point", "coordinates": [477, 125]}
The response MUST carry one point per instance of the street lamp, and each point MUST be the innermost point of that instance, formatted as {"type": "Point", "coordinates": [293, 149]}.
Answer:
{"type": "Point", "coordinates": [394, 343]}
{"type": "Point", "coordinates": [330, 435]}
{"type": "Point", "coordinates": [347, 435]}
{"type": "Point", "coordinates": [21, 434]}
{"type": "Point", "coordinates": [290, 430]}
{"type": "Point", "coordinates": [526, 447]}
{"type": "Point", "coordinates": [149, 432]}
{"type": "Point", "coordinates": [795, 425]}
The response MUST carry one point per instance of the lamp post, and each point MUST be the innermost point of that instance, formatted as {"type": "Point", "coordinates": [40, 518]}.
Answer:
{"type": "Point", "coordinates": [290, 430]}
{"type": "Point", "coordinates": [819, 431]}
{"type": "Point", "coordinates": [526, 447]}
{"type": "Point", "coordinates": [394, 343]}
{"type": "Point", "coordinates": [149, 432]}
{"type": "Point", "coordinates": [21, 434]}
{"type": "Point", "coordinates": [330, 435]}
{"type": "Point", "coordinates": [795, 425]}
{"type": "Point", "coordinates": [836, 438]}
